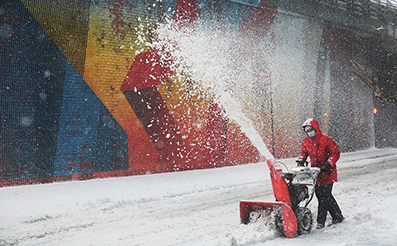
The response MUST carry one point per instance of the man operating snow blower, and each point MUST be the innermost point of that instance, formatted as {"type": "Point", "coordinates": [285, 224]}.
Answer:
{"type": "Point", "coordinates": [323, 153]}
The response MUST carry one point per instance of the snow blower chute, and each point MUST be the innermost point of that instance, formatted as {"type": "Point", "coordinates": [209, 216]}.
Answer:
{"type": "Point", "coordinates": [290, 218]}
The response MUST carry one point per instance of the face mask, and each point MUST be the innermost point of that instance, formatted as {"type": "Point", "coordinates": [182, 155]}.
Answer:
{"type": "Point", "coordinates": [311, 134]}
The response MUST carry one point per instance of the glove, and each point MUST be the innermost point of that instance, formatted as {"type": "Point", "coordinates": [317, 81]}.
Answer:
{"type": "Point", "coordinates": [326, 168]}
{"type": "Point", "coordinates": [300, 163]}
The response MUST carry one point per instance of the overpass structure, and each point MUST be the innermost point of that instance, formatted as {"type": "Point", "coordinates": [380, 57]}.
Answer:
{"type": "Point", "coordinates": [365, 17]}
{"type": "Point", "coordinates": [362, 15]}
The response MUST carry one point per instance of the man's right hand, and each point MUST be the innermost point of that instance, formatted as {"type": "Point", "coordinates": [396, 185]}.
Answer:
{"type": "Point", "coordinates": [300, 163]}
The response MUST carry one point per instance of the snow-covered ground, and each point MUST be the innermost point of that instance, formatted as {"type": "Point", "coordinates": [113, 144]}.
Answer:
{"type": "Point", "coordinates": [198, 207]}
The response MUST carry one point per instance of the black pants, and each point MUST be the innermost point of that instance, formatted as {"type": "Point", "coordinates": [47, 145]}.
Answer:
{"type": "Point", "coordinates": [327, 203]}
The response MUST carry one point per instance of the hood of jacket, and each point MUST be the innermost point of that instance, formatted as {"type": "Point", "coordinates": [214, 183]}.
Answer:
{"type": "Point", "coordinates": [313, 123]}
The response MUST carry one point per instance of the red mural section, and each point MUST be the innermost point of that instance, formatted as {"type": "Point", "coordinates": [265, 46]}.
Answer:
{"type": "Point", "coordinates": [215, 136]}
{"type": "Point", "coordinates": [148, 69]}
{"type": "Point", "coordinates": [159, 125]}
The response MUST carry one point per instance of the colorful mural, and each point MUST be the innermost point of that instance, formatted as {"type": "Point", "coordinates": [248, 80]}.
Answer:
{"type": "Point", "coordinates": [84, 95]}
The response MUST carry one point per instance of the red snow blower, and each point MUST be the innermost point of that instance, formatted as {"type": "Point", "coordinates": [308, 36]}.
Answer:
{"type": "Point", "coordinates": [290, 218]}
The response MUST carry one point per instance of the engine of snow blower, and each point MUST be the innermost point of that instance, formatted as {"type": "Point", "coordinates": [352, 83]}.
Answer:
{"type": "Point", "coordinates": [297, 190]}
{"type": "Point", "coordinates": [290, 190]}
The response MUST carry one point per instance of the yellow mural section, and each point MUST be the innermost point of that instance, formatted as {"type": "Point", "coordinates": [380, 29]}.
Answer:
{"type": "Point", "coordinates": [107, 62]}
{"type": "Point", "coordinates": [55, 18]}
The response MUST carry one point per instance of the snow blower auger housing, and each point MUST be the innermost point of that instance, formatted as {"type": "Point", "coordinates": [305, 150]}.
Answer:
{"type": "Point", "coordinates": [291, 219]}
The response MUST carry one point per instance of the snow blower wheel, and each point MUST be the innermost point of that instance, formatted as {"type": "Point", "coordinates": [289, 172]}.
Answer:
{"type": "Point", "coordinates": [305, 221]}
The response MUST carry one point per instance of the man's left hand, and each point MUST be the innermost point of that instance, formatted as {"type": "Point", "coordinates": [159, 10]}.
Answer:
{"type": "Point", "coordinates": [326, 168]}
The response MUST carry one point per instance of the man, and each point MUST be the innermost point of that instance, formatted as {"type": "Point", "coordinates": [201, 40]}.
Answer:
{"type": "Point", "coordinates": [323, 153]}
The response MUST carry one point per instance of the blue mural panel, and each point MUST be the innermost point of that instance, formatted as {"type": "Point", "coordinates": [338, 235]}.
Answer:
{"type": "Point", "coordinates": [112, 147]}
{"type": "Point", "coordinates": [30, 87]}
{"type": "Point", "coordinates": [78, 126]}
{"type": "Point", "coordinates": [90, 139]}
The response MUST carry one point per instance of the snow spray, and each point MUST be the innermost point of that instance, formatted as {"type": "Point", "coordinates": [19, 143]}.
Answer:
{"type": "Point", "coordinates": [205, 55]}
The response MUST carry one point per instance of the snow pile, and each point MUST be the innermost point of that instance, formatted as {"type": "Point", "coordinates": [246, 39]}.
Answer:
{"type": "Point", "coordinates": [199, 207]}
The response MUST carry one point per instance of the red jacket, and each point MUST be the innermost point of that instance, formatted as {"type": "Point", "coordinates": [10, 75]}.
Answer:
{"type": "Point", "coordinates": [321, 149]}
